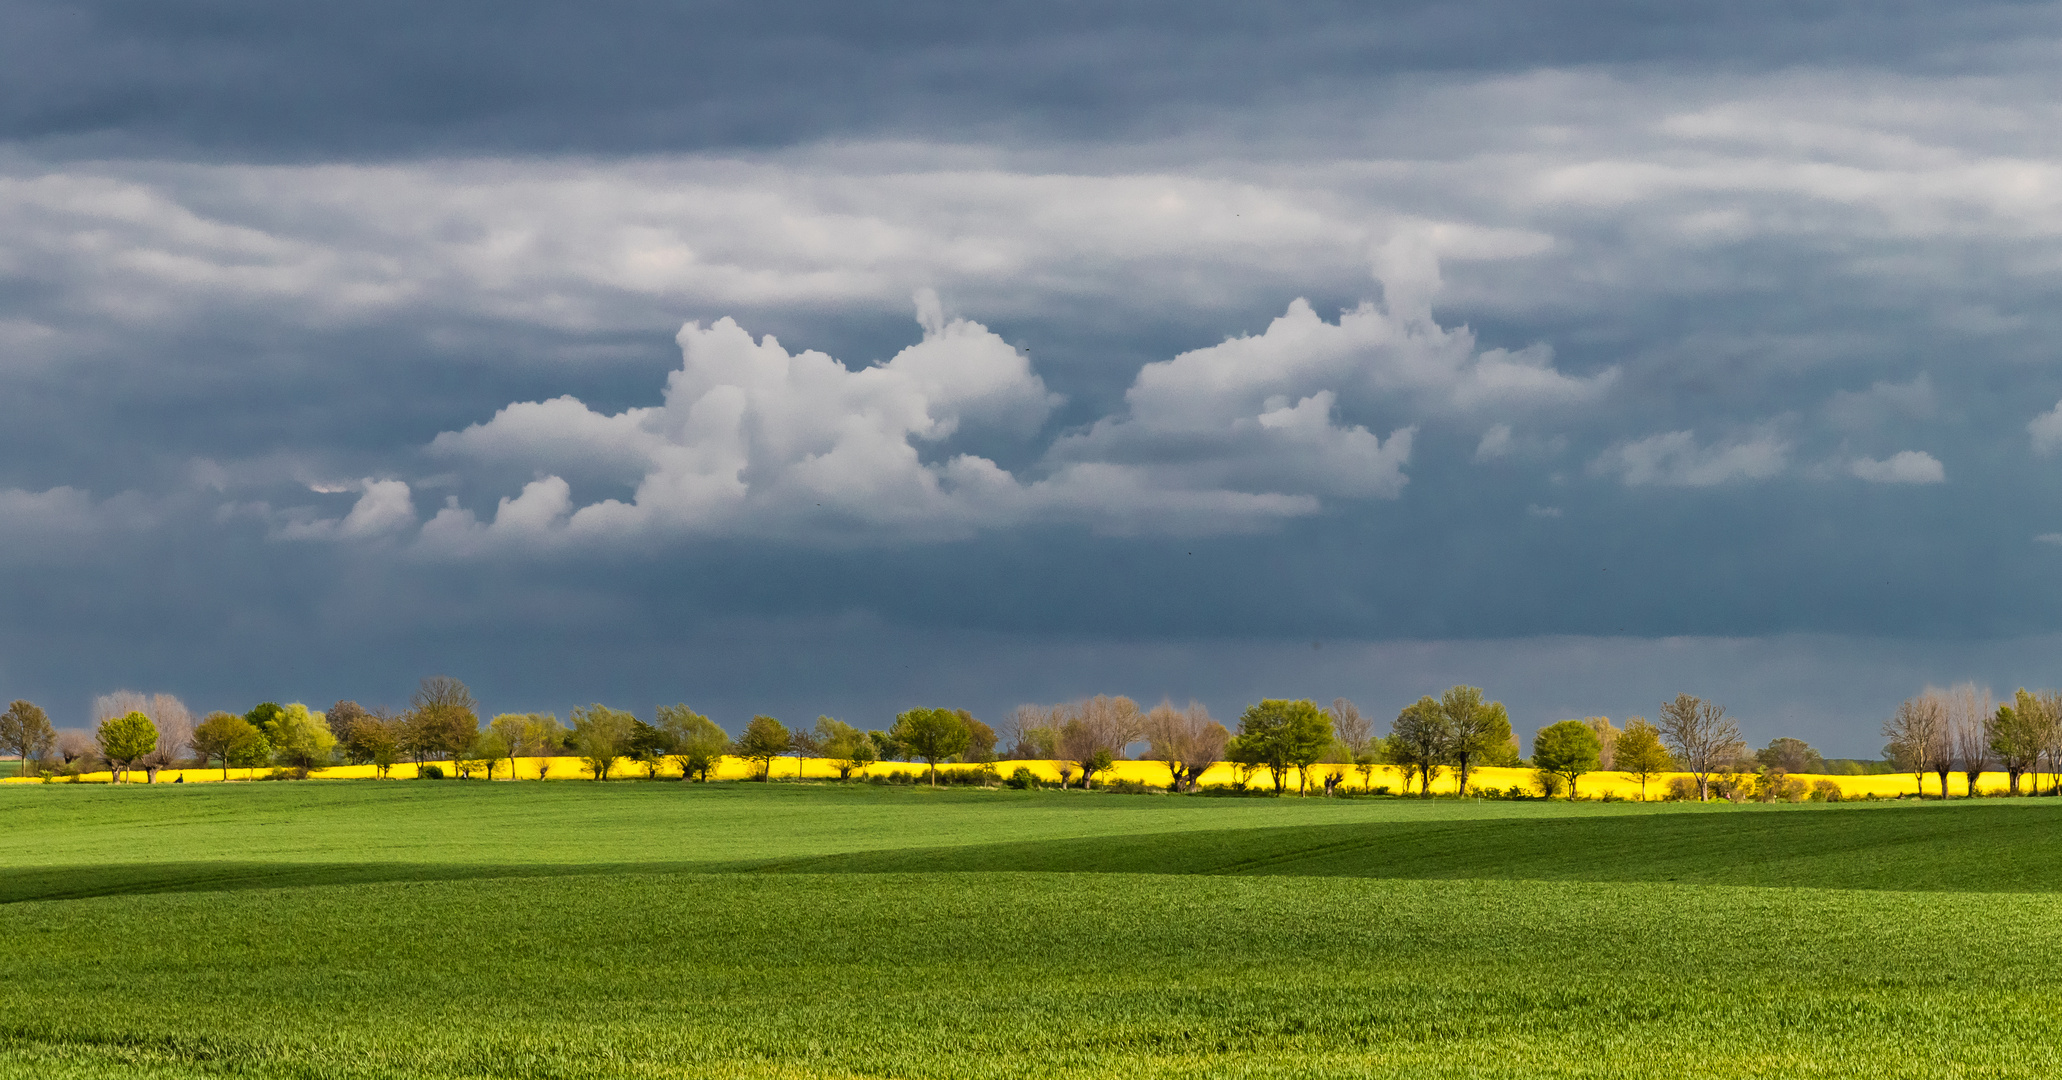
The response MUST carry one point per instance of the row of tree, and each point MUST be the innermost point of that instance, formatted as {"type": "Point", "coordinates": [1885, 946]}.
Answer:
{"type": "Point", "coordinates": [1459, 731]}
{"type": "Point", "coordinates": [1960, 729]}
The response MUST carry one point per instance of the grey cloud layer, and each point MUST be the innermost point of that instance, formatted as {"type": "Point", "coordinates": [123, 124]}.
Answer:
{"type": "Point", "coordinates": [1692, 320]}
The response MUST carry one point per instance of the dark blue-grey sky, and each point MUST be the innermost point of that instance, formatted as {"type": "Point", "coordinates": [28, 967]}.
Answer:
{"type": "Point", "coordinates": [1584, 351]}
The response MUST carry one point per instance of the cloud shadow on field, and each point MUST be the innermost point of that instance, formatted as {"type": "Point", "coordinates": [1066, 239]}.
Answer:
{"type": "Point", "coordinates": [1982, 847]}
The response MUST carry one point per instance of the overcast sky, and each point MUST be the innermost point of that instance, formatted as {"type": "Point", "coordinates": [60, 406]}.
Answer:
{"type": "Point", "coordinates": [828, 358]}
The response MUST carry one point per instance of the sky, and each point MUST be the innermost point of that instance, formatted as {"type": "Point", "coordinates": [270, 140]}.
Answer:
{"type": "Point", "coordinates": [825, 358]}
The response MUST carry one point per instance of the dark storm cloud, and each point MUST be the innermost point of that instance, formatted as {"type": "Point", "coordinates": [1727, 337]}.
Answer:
{"type": "Point", "coordinates": [1781, 281]}
{"type": "Point", "coordinates": [386, 78]}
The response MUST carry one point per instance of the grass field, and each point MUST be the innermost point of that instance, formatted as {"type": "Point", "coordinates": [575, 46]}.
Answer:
{"type": "Point", "coordinates": [572, 930]}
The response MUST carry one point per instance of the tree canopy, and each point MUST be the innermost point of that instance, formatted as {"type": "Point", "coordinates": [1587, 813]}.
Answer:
{"type": "Point", "coordinates": [1567, 750]}
{"type": "Point", "coordinates": [1285, 734]}
{"type": "Point", "coordinates": [764, 739]}
{"type": "Point", "coordinates": [125, 738]}
{"type": "Point", "coordinates": [932, 735]}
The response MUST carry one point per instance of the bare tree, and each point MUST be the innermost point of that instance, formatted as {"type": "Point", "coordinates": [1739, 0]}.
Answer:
{"type": "Point", "coordinates": [175, 730]}
{"type": "Point", "coordinates": [74, 746]}
{"type": "Point", "coordinates": [1354, 731]}
{"type": "Point", "coordinates": [1607, 740]}
{"type": "Point", "coordinates": [1096, 732]}
{"type": "Point", "coordinates": [2051, 734]}
{"type": "Point", "coordinates": [1967, 710]}
{"type": "Point", "coordinates": [1701, 738]}
{"type": "Point", "coordinates": [341, 716]}
{"type": "Point", "coordinates": [1187, 740]}
{"type": "Point", "coordinates": [1914, 734]}
{"type": "Point", "coordinates": [119, 703]}
{"type": "Point", "coordinates": [1030, 734]}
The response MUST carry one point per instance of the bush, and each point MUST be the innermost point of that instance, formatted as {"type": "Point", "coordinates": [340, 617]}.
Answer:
{"type": "Point", "coordinates": [1680, 789]}
{"type": "Point", "coordinates": [1548, 784]}
{"type": "Point", "coordinates": [1023, 779]}
{"type": "Point", "coordinates": [430, 772]}
{"type": "Point", "coordinates": [1825, 791]}
{"type": "Point", "coordinates": [1383, 789]}
{"type": "Point", "coordinates": [1127, 787]}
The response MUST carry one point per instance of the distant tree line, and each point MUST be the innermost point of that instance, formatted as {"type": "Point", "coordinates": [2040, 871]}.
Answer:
{"type": "Point", "coordinates": [1939, 734]}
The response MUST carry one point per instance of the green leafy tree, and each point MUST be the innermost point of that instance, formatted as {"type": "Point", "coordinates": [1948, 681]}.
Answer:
{"type": "Point", "coordinates": [25, 732]}
{"type": "Point", "coordinates": [1791, 756]}
{"type": "Point", "coordinates": [264, 716]}
{"type": "Point", "coordinates": [1247, 758]}
{"type": "Point", "coordinates": [885, 747]}
{"type": "Point", "coordinates": [1286, 734]}
{"type": "Point", "coordinates": [219, 735]}
{"type": "Point", "coordinates": [2019, 734]}
{"type": "Point", "coordinates": [699, 746]}
{"type": "Point", "coordinates": [1421, 742]}
{"type": "Point", "coordinates": [1477, 728]}
{"type": "Point", "coordinates": [1567, 750]}
{"type": "Point", "coordinates": [488, 751]}
{"type": "Point", "coordinates": [125, 738]}
{"type": "Point", "coordinates": [600, 736]}
{"type": "Point", "coordinates": [847, 747]}
{"type": "Point", "coordinates": [375, 738]}
{"type": "Point", "coordinates": [548, 738]}
{"type": "Point", "coordinates": [302, 740]}
{"type": "Point", "coordinates": [764, 739]}
{"type": "Point", "coordinates": [649, 746]}
{"type": "Point", "coordinates": [516, 731]}
{"type": "Point", "coordinates": [980, 739]}
{"type": "Point", "coordinates": [1639, 753]}
{"type": "Point", "coordinates": [930, 735]}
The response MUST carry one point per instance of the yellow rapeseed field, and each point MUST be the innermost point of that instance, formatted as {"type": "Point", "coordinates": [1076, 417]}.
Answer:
{"type": "Point", "coordinates": [1592, 785]}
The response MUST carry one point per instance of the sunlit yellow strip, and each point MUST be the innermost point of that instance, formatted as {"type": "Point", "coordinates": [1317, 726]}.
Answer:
{"type": "Point", "coordinates": [1592, 785]}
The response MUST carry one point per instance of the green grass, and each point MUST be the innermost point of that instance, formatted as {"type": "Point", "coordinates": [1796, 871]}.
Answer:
{"type": "Point", "coordinates": [573, 930]}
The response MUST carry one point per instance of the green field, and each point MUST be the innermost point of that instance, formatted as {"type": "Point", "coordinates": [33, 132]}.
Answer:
{"type": "Point", "coordinates": [661, 929]}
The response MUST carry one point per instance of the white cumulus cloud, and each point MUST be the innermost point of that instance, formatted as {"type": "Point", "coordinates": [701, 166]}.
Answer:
{"type": "Point", "coordinates": [751, 439]}
{"type": "Point", "coordinates": [383, 507]}
{"type": "Point", "coordinates": [2046, 430]}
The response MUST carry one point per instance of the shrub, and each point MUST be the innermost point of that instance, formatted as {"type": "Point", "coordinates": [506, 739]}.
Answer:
{"type": "Point", "coordinates": [1383, 789]}
{"type": "Point", "coordinates": [1825, 791]}
{"type": "Point", "coordinates": [1548, 784]}
{"type": "Point", "coordinates": [430, 772]}
{"type": "Point", "coordinates": [1023, 779]}
{"type": "Point", "coordinates": [1680, 789]}
{"type": "Point", "coordinates": [1126, 787]}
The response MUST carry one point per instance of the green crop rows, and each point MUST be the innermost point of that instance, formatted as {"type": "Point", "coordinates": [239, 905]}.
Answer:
{"type": "Point", "coordinates": [652, 929]}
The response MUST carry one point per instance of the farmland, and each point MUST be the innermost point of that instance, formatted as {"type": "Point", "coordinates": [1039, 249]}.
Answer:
{"type": "Point", "coordinates": [664, 929]}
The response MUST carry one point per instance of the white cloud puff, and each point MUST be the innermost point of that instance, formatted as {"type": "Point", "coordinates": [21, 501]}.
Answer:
{"type": "Point", "coordinates": [383, 507]}
{"type": "Point", "coordinates": [1675, 459]}
{"type": "Point", "coordinates": [1903, 467]}
{"type": "Point", "coordinates": [2046, 431]}
{"type": "Point", "coordinates": [754, 440]}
